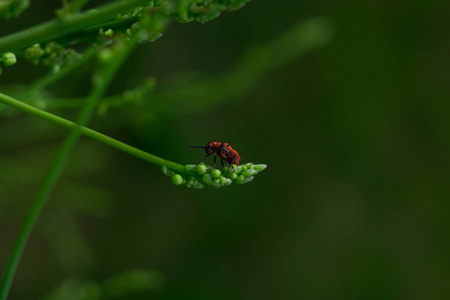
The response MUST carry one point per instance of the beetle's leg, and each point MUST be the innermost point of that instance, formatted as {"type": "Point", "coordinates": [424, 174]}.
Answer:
{"type": "Point", "coordinates": [228, 170]}
{"type": "Point", "coordinates": [221, 161]}
{"type": "Point", "coordinates": [215, 156]}
{"type": "Point", "coordinates": [207, 154]}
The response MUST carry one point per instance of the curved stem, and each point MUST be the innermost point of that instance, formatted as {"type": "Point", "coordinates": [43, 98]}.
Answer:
{"type": "Point", "coordinates": [61, 26]}
{"type": "Point", "coordinates": [94, 135]}
{"type": "Point", "coordinates": [104, 78]}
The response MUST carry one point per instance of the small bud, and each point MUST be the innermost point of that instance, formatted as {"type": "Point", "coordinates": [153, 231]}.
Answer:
{"type": "Point", "coordinates": [233, 175]}
{"type": "Point", "coordinates": [167, 171]}
{"type": "Point", "coordinates": [215, 173]}
{"type": "Point", "coordinates": [248, 173]}
{"type": "Point", "coordinates": [190, 167]}
{"type": "Point", "coordinates": [241, 179]}
{"type": "Point", "coordinates": [237, 169]}
{"type": "Point", "coordinates": [225, 181]}
{"type": "Point", "coordinates": [201, 169]}
{"type": "Point", "coordinates": [259, 167]}
{"type": "Point", "coordinates": [9, 59]}
{"type": "Point", "coordinates": [109, 32]}
{"type": "Point", "coordinates": [208, 180]}
{"type": "Point", "coordinates": [177, 179]}
{"type": "Point", "coordinates": [197, 185]}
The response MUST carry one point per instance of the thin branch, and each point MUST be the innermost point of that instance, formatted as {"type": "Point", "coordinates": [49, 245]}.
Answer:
{"type": "Point", "coordinates": [62, 26]}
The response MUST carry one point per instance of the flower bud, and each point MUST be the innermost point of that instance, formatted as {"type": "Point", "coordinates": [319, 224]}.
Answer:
{"type": "Point", "coordinates": [209, 181]}
{"type": "Point", "coordinates": [109, 32]}
{"type": "Point", "coordinates": [177, 179]}
{"type": "Point", "coordinates": [237, 169]}
{"type": "Point", "coordinates": [8, 59]}
{"type": "Point", "coordinates": [201, 169]}
{"type": "Point", "coordinates": [190, 167]}
{"type": "Point", "coordinates": [215, 173]}
{"type": "Point", "coordinates": [166, 171]}
{"type": "Point", "coordinates": [233, 175]}
{"type": "Point", "coordinates": [197, 185]}
{"type": "Point", "coordinates": [241, 179]}
{"type": "Point", "coordinates": [259, 167]}
{"type": "Point", "coordinates": [225, 181]}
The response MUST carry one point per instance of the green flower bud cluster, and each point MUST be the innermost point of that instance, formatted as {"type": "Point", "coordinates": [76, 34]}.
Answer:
{"type": "Point", "coordinates": [198, 10]}
{"type": "Point", "coordinates": [204, 10]}
{"type": "Point", "coordinates": [177, 179]}
{"type": "Point", "coordinates": [153, 19]}
{"type": "Point", "coordinates": [215, 177]}
{"type": "Point", "coordinates": [53, 55]}
{"type": "Point", "coordinates": [12, 8]}
{"type": "Point", "coordinates": [245, 173]}
{"type": "Point", "coordinates": [151, 26]}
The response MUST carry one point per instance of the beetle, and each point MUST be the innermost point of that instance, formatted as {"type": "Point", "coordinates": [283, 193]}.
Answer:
{"type": "Point", "coordinates": [223, 150]}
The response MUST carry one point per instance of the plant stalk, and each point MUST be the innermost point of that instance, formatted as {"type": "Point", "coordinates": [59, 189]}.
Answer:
{"type": "Point", "coordinates": [67, 24]}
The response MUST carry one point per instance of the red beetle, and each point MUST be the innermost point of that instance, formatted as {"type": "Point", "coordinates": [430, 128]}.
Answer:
{"type": "Point", "coordinates": [223, 150]}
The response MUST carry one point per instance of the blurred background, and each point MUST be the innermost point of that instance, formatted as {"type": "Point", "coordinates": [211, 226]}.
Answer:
{"type": "Point", "coordinates": [347, 104]}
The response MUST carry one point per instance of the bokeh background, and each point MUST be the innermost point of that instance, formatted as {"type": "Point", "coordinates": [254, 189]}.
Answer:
{"type": "Point", "coordinates": [353, 127]}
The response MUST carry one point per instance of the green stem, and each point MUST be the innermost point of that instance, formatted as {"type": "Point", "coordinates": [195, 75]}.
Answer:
{"type": "Point", "coordinates": [101, 82]}
{"type": "Point", "coordinates": [93, 134]}
{"type": "Point", "coordinates": [61, 26]}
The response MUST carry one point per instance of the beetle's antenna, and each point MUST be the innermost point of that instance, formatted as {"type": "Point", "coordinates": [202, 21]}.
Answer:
{"type": "Point", "coordinates": [197, 146]}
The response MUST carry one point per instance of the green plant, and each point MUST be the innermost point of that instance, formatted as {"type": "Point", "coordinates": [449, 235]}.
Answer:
{"type": "Point", "coordinates": [105, 37]}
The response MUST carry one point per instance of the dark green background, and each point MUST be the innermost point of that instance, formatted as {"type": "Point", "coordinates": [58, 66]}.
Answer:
{"type": "Point", "coordinates": [353, 205]}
